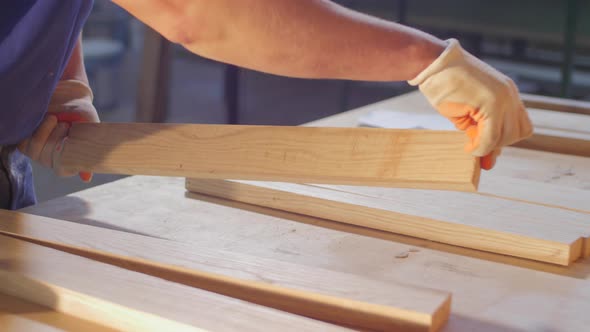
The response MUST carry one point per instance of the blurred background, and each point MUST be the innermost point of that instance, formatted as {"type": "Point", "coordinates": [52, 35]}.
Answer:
{"type": "Point", "coordinates": [544, 45]}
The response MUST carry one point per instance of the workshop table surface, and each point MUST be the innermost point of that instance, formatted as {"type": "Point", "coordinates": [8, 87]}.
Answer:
{"type": "Point", "coordinates": [490, 292]}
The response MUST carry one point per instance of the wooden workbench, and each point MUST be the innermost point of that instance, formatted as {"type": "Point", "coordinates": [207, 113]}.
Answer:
{"type": "Point", "coordinates": [490, 292]}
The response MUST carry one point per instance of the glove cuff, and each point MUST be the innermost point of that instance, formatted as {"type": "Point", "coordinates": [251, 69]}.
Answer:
{"type": "Point", "coordinates": [453, 52]}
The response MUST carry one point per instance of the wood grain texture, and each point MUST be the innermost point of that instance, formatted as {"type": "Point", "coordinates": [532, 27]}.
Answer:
{"type": "Point", "coordinates": [348, 300]}
{"type": "Point", "coordinates": [530, 219]}
{"type": "Point", "coordinates": [553, 195]}
{"type": "Point", "coordinates": [467, 220]}
{"type": "Point", "coordinates": [126, 300]}
{"type": "Point", "coordinates": [355, 156]}
{"type": "Point", "coordinates": [556, 104]}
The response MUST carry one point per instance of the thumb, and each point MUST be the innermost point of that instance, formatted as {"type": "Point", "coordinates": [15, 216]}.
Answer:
{"type": "Point", "coordinates": [488, 161]}
{"type": "Point", "coordinates": [70, 117]}
{"type": "Point", "coordinates": [464, 117]}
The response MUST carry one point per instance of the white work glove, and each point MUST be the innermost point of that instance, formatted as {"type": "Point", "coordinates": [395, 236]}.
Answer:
{"type": "Point", "coordinates": [71, 102]}
{"type": "Point", "coordinates": [478, 99]}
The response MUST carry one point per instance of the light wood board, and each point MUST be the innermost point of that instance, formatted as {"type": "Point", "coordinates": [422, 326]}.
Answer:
{"type": "Point", "coordinates": [355, 156]}
{"type": "Point", "coordinates": [520, 217]}
{"type": "Point", "coordinates": [127, 300]}
{"type": "Point", "coordinates": [556, 104]}
{"type": "Point", "coordinates": [468, 220]}
{"type": "Point", "coordinates": [322, 294]}
{"type": "Point", "coordinates": [559, 132]}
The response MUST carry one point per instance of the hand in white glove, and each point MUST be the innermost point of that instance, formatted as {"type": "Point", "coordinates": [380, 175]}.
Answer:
{"type": "Point", "coordinates": [70, 102]}
{"type": "Point", "coordinates": [477, 99]}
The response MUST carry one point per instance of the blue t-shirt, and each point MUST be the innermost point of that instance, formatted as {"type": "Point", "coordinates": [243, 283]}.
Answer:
{"type": "Point", "coordinates": [36, 41]}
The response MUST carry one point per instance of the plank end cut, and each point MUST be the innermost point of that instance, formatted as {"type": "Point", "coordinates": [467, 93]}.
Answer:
{"type": "Point", "coordinates": [409, 158]}
{"type": "Point", "coordinates": [578, 249]}
{"type": "Point", "coordinates": [441, 316]}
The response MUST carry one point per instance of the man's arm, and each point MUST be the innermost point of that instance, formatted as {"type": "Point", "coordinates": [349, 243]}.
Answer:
{"type": "Point", "coordinates": [303, 38]}
{"type": "Point", "coordinates": [320, 39]}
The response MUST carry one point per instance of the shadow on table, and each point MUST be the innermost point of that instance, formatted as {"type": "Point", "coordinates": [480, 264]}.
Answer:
{"type": "Point", "coordinates": [75, 209]}
{"type": "Point", "coordinates": [463, 323]}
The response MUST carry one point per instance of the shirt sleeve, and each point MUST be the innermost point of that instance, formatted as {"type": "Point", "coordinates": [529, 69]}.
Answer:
{"type": "Point", "coordinates": [37, 38]}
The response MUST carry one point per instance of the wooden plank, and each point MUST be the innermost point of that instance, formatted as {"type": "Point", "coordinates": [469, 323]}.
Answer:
{"type": "Point", "coordinates": [518, 217]}
{"type": "Point", "coordinates": [467, 220]}
{"type": "Point", "coordinates": [29, 278]}
{"type": "Point", "coordinates": [338, 310]}
{"type": "Point", "coordinates": [540, 193]}
{"type": "Point", "coordinates": [355, 156]}
{"type": "Point", "coordinates": [126, 300]}
{"type": "Point", "coordinates": [559, 132]}
{"type": "Point", "coordinates": [556, 104]}
{"type": "Point", "coordinates": [336, 297]}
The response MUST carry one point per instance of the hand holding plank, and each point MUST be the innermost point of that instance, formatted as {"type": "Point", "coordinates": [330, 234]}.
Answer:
{"type": "Point", "coordinates": [71, 102]}
{"type": "Point", "coordinates": [478, 99]}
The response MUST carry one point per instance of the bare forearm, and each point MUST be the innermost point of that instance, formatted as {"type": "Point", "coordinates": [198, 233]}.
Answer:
{"type": "Point", "coordinates": [304, 38]}
{"type": "Point", "coordinates": [75, 69]}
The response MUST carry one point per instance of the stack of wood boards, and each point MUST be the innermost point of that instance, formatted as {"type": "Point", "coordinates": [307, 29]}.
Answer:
{"type": "Point", "coordinates": [490, 292]}
{"type": "Point", "coordinates": [133, 282]}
